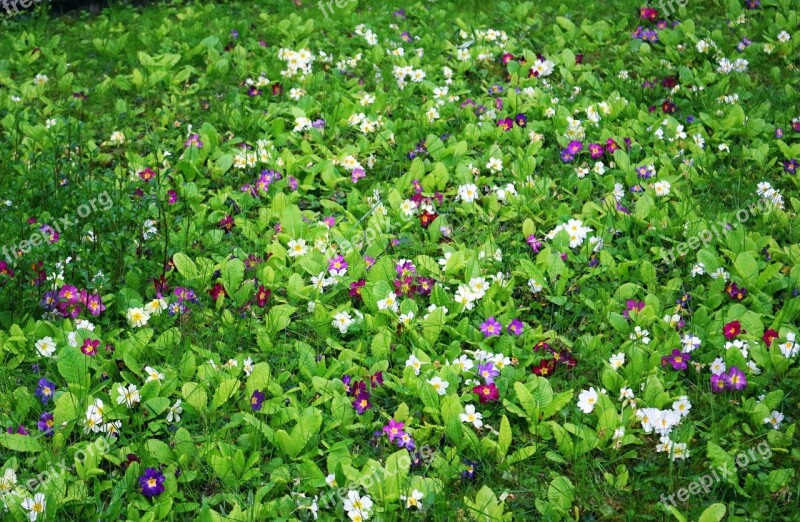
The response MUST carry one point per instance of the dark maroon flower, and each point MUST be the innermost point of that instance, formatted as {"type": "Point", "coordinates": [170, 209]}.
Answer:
{"type": "Point", "coordinates": [769, 336]}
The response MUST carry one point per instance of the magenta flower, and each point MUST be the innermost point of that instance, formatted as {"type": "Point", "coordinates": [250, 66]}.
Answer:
{"type": "Point", "coordinates": [486, 393]}
{"type": "Point", "coordinates": [95, 305]}
{"type": "Point", "coordinates": [393, 429]}
{"type": "Point", "coordinates": [89, 347]}
{"type": "Point", "coordinates": [337, 266]}
{"type": "Point", "coordinates": [718, 383]}
{"type": "Point", "coordinates": [534, 243]}
{"type": "Point", "coordinates": [596, 150]}
{"type": "Point", "coordinates": [631, 305]}
{"type": "Point", "coordinates": [574, 147]}
{"type": "Point", "coordinates": [69, 293]}
{"type": "Point", "coordinates": [491, 327]}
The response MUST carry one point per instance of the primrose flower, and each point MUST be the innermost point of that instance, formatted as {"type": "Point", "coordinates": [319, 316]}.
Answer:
{"type": "Point", "coordinates": [257, 400]}
{"type": "Point", "coordinates": [151, 483]}
{"type": "Point", "coordinates": [587, 400]}
{"type": "Point", "coordinates": [491, 327]}
{"type": "Point", "coordinates": [45, 390]}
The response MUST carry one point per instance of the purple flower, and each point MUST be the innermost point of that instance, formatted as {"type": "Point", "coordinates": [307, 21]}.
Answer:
{"type": "Point", "coordinates": [488, 372]}
{"type": "Point", "coordinates": [718, 383]}
{"type": "Point", "coordinates": [21, 430]}
{"type": "Point", "coordinates": [45, 424]}
{"type": "Point", "coordinates": [566, 157]}
{"type": "Point", "coordinates": [257, 400]}
{"type": "Point", "coordinates": [362, 404]}
{"type": "Point", "coordinates": [735, 379]}
{"type": "Point", "coordinates": [678, 359]}
{"type": "Point", "coordinates": [393, 429]}
{"type": "Point", "coordinates": [790, 166]}
{"type": "Point", "coordinates": [516, 327]}
{"type": "Point", "coordinates": [491, 327]}
{"type": "Point", "coordinates": [151, 483]}
{"type": "Point", "coordinates": [319, 123]}
{"type": "Point", "coordinates": [194, 140]}
{"type": "Point", "coordinates": [45, 390]}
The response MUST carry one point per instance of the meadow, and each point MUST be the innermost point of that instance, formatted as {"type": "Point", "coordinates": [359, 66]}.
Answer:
{"type": "Point", "coordinates": [371, 260]}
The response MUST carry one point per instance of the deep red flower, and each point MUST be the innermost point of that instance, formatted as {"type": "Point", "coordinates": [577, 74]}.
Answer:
{"type": "Point", "coordinates": [262, 296]}
{"type": "Point", "coordinates": [217, 291]}
{"type": "Point", "coordinates": [426, 218]}
{"type": "Point", "coordinates": [769, 336]}
{"type": "Point", "coordinates": [545, 368]}
{"type": "Point", "coordinates": [732, 330]}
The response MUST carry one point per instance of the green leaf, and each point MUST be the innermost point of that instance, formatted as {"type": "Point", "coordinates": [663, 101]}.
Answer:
{"type": "Point", "coordinates": [186, 267]}
{"type": "Point", "coordinates": [232, 275]}
{"type": "Point", "coordinates": [561, 493]}
{"type": "Point", "coordinates": [224, 392]}
{"type": "Point", "coordinates": [503, 439]}
{"type": "Point", "coordinates": [73, 365]}
{"type": "Point", "coordinates": [21, 443]}
{"type": "Point", "coordinates": [713, 513]}
{"type": "Point", "coordinates": [195, 396]}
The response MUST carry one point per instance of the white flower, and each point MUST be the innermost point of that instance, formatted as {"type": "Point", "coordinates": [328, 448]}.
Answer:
{"type": "Point", "coordinates": [413, 500]}
{"type": "Point", "coordinates": [587, 400]}
{"type": "Point", "coordinates": [297, 247]}
{"type": "Point", "coordinates": [625, 394]}
{"type": "Point", "coordinates": [405, 319]}
{"type": "Point", "coordinates": [690, 342]}
{"type": "Point", "coordinates": [389, 303]}
{"type": "Point", "coordinates": [619, 433]}
{"type": "Point", "coordinates": [682, 406]}
{"type": "Point", "coordinates": [129, 395]}
{"type": "Point", "coordinates": [790, 347]}
{"type": "Point", "coordinates": [355, 502]}
{"type": "Point", "coordinates": [718, 367]}
{"type": "Point", "coordinates": [137, 317]}
{"type": "Point", "coordinates": [784, 37]}
{"type": "Point", "coordinates": [468, 193]}
{"type": "Point", "coordinates": [775, 418]}
{"type": "Point", "coordinates": [439, 385]}
{"type": "Point", "coordinates": [414, 363]}
{"type": "Point", "coordinates": [153, 374]}
{"type": "Point", "coordinates": [463, 363]}
{"type": "Point", "coordinates": [174, 412]}
{"type": "Point", "coordinates": [699, 141]}
{"type": "Point", "coordinates": [495, 165]}
{"type": "Point", "coordinates": [117, 138]}
{"type": "Point", "coordinates": [679, 451]}
{"type": "Point", "coordinates": [432, 114]}
{"type": "Point", "coordinates": [661, 188]}
{"type": "Point", "coordinates": [408, 207]}
{"type": "Point", "coordinates": [40, 79]}
{"type": "Point", "coordinates": [8, 481]}
{"type": "Point", "coordinates": [640, 334]}
{"type": "Point", "coordinates": [342, 321]}
{"type": "Point", "coordinates": [470, 416]}
{"type": "Point", "coordinates": [156, 306]}
{"type": "Point", "coordinates": [617, 360]}
{"type": "Point", "coordinates": [698, 269]}
{"type": "Point", "coordinates": [46, 347]}
{"type": "Point", "coordinates": [34, 506]}
{"type": "Point", "coordinates": [535, 286]}
{"type": "Point", "coordinates": [248, 366]}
